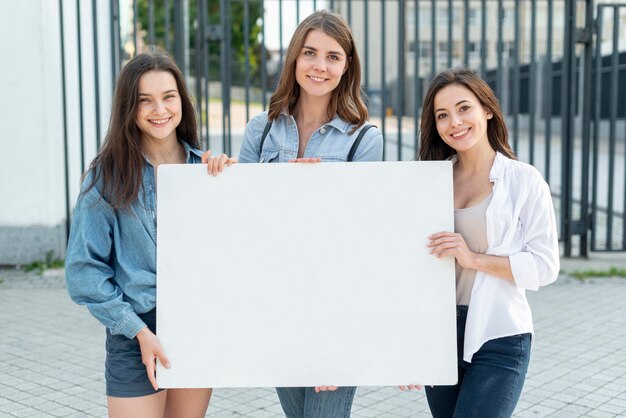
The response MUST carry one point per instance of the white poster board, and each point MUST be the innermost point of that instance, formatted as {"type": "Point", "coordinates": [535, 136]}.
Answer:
{"type": "Point", "coordinates": [305, 275]}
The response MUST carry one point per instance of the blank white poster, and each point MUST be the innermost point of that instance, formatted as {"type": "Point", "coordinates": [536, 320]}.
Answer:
{"type": "Point", "coordinates": [305, 275]}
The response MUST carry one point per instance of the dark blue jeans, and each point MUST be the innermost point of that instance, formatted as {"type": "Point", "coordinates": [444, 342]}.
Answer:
{"type": "Point", "coordinates": [305, 403]}
{"type": "Point", "coordinates": [489, 386]}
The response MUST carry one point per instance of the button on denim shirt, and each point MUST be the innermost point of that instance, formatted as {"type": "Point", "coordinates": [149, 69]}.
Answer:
{"type": "Point", "coordinates": [331, 142]}
{"type": "Point", "coordinates": [110, 262]}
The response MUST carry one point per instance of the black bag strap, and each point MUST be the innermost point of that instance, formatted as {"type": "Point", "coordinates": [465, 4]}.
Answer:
{"type": "Point", "coordinates": [265, 132]}
{"type": "Point", "coordinates": [357, 142]}
{"type": "Point", "coordinates": [355, 145]}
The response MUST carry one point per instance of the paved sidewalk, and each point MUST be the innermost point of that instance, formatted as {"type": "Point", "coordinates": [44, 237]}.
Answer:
{"type": "Point", "coordinates": [52, 355]}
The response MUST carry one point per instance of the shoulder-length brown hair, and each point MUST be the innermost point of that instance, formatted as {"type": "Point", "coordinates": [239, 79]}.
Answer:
{"type": "Point", "coordinates": [120, 161]}
{"type": "Point", "coordinates": [346, 100]}
{"type": "Point", "coordinates": [432, 145]}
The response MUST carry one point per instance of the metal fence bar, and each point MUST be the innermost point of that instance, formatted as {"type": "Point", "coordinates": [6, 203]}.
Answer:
{"type": "Point", "coordinates": [401, 72]}
{"type": "Point", "coordinates": [280, 34]}
{"type": "Point", "coordinates": [417, 94]}
{"type": "Point", "coordinates": [532, 97]}
{"type": "Point", "coordinates": [81, 110]}
{"type": "Point", "coordinates": [166, 6]}
{"type": "Point", "coordinates": [383, 75]}
{"type": "Point", "coordinates": [198, 64]}
{"type": "Point", "coordinates": [617, 9]}
{"type": "Point", "coordinates": [226, 99]}
{"type": "Point", "coordinates": [450, 40]}
{"type": "Point", "coordinates": [483, 39]}
{"type": "Point", "coordinates": [66, 159]}
{"type": "Point", "coordinates": [584, 225]}
{"type": "Point", "coordinates": [366, 55]}
{"type": "Point", "coordinates": [500, 23]}
{"type": "Point", "coordinates": [516, 78]}
{"type": "Point", "coordinates": [263, 58]}
{"type": "Point", "coordinates": [613, 96]}
{"type": "Point", "coordinates": [350, 12]}
{"type": "Point", "coordinates": [204, 13]}
{"type": "Point", "coordinates": [568, 108]}
{"type": "Point", "coordinates": [596, 124]}
{"type": "Point", "coordinates": [246, 47]}
{"type": "Point", "coordinates": [96, 70]}
{"type": "Point", "coordinates": [151, 34]}
{"type": "Point", "coordinates": [466, 11]}
{"type": "Point", "coordinates": [548, 93]}
{"type": "Point", "coordinates": [433, 40]}
{"type": "Point", "coordinates": [135, 25]}
{"type": "Point", "coordinates": [298, 10]}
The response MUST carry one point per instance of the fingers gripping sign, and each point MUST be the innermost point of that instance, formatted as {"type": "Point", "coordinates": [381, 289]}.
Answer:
{"type": "Point", "coordinates": [411, 387]}
{"type": "Point", "coordinates": [151, 351]}
{"type": "Point", "coordinates": [451, 243]}
{"type": "Point", "coordinates": [215, 165]}
{"type": "Point", "coordinates": [307, 160]}
{"type": "Point", "coordinates": [319, 389]}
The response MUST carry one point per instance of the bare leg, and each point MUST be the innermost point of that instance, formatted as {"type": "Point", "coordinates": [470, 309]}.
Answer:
{"type": "Point", "coordinates": [151, 406]}
{"type": "Point", "coordinates": [188, 403]}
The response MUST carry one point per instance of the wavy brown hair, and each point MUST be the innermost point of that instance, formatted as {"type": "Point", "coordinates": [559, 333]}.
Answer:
{"type": "Point", "coordinates": [432, 145]}
{"type": "Point", "coordinates": [346, 100]}
{"type": "Point", "coordinates": [120, 161]}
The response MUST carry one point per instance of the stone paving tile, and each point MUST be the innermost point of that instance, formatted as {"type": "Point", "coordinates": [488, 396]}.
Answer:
{"type": "Point", "coordinates": [52, 354]}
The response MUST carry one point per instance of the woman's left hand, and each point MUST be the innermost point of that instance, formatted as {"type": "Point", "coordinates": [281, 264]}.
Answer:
{"type": "Point", "coordinates": [319, 389]}
{"type": "Point", "coordinates": [411, 387]}
{"type": "Point", "coordinates": [451, 243]}
{"type": "Point", "coordinates": [215, 165]}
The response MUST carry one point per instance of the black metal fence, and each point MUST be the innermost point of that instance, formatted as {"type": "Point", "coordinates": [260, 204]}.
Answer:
{"type": "Point", "coordinates": [541, 57]}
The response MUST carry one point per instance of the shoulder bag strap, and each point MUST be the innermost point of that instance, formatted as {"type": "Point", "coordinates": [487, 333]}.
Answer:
{"type": "Point", "coordinates": [265, 132]}
{"type": "Point", "coordinates": [357, 142]}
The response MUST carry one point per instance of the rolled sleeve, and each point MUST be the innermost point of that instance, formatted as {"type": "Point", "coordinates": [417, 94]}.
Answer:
{"type": "Point", "coordinates": [538, 263]}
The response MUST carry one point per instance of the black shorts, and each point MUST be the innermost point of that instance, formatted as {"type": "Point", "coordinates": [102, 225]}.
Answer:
{"type": "Point", "coordinates": [125, 374]}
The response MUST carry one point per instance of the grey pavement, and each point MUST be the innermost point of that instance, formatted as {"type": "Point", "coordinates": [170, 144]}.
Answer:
{"type": "Point", "coordinates": [52, 354]}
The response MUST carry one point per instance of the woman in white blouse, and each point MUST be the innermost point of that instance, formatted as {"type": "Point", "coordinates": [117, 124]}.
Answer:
{"type": "Point", "coordinates": [505, 242]}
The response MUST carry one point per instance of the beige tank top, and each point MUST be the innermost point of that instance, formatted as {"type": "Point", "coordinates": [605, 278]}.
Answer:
{"type": "Point", "coordinates": [472, 224]}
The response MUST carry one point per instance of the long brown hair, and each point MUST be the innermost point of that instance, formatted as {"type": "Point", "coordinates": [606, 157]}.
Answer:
{"type": "Point", "coordinates": [346, 98]}
{"type": "Point", "coordinates": [432, 145]}
{"type": "Point", "coordinates": [120, 161]}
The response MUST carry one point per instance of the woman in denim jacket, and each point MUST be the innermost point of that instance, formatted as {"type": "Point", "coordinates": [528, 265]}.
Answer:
{"type": "Point", "coordinates": [111, 256]}
{"type": "Point", "coordinates": [505, 242]}
{"type": "Point", "coordinates": [316, 114]}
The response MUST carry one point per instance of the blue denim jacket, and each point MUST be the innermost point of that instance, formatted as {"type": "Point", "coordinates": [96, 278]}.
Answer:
{"type": "Point", "coordinates": [110, 263]}
{"type": "Point", "coordinates": [330, 142]}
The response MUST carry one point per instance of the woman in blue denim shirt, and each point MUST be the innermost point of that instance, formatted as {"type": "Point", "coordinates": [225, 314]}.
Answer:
{"type": "Point", "coordinates": [111, 256]}
{"type": "Point", "coordinates": [317, 114]}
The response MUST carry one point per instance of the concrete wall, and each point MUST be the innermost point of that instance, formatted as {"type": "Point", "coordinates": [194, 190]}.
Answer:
{"type": "Point", "coordinates": [32, 162]}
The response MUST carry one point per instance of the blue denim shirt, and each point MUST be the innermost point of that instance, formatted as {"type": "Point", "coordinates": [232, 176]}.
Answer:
{"type": "Point", "coordinates": [110, 263]}
{"type": "Point", "coordinates": [331, 142]}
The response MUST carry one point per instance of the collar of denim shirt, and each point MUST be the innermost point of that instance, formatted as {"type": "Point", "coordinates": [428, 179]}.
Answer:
{"type": "Point", "coordinates": [336, 122]}
{"type": "Point", "coordinates": [192, 155]}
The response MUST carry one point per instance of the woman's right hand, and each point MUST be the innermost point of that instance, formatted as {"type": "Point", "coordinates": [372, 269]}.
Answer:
{"type": "Point", "coordinates": [215, 165]}
{"type": "Point", "coordinates": [151, 350]}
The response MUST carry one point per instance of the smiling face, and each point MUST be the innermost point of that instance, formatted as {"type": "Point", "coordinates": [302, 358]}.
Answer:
{"type": "Point", "coordinates": [460, 118]}
{"type": "Point", "coordinates": [159, 111]}
{"type": "Point", "coordinates": [320, 65]}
